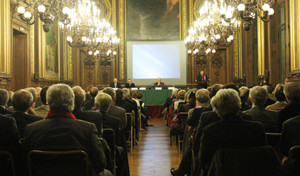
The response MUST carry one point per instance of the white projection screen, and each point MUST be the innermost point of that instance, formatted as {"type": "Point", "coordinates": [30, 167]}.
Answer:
{"type": "Point", "coordinates": [149, 60]}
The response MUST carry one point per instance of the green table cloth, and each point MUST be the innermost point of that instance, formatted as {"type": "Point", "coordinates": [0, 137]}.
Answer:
{"type": "Point", "coordinates": [155, 97]}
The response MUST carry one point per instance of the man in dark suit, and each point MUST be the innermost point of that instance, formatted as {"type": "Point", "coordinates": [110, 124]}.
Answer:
{"type": "Point", "coordinates": [4, 97]}
{"type": "Point", "coordinates": [159, 83]}
{"type": "Point", "coordinates": [103, 102]}
{"type": "Point", "coordinates": [290, 136]}
{"type": "Point", "coordinates": [230, 132]}
{"type": "Point", "coordinates": [62, 131]}
{"type": "Point", "coordinates": [292, 94]}
{"type": "Point", "coordinates": [89, 116]}
{"type": "Point", "coordinates": [90, 104]}
{"type": "Point", "coordinates": [129, 84]}
{"type": "Point", "coordinates": [202, 80]}
{"type": "Point", "coordinates": [114, 110]}
{"type": "Point", "coordinates": [269, 119]}
{"type": "Point", "coordinates": [115, 84]}
{"type": "Point", "coordinates": [22, 102]}
{"type": "Point", "coordinates": [133, 104]}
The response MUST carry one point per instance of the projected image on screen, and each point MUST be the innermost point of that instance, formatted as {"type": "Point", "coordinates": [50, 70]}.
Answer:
{"type": "Point", "coordinates": [151, 61]}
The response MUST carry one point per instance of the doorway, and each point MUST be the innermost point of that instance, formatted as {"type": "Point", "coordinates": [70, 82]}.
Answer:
{"type": "Point", "coordinates": [20, 76]}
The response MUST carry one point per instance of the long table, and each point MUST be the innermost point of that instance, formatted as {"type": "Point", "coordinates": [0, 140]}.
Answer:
{"type": "Point", "coordinates": [154, 101]}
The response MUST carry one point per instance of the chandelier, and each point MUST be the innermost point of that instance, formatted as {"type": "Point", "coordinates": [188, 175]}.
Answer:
{"type": "Point", "coordinates": [249, 9]}
{"type": "Point", "coordinates": [84, 25]}
{"type": "Point", "coordinates": [215, 26]}
{"type": "Point", "coordinates": [47, 10]}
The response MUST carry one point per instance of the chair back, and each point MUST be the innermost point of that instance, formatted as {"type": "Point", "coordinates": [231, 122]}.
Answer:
{"type": "Point", "coordinates": [130, 121]}
{"type": "Point", "coordinates": [293, 163]}
{"type": "Point", "coordinates": [110, 138]}
{"type": "Point", "coordinates": [258, 161]}
{"type": "Point", "coordinates": [273, 139]}
{"type": "Point", "coordinates": [58, 163]}
{"type": "Point", "coordinates": [7, 167]}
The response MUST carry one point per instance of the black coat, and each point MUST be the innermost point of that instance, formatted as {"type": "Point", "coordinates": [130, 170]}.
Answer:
{"type": "Point", "coordinates": [290, 111]}
{"type": "Point", "coordinates": [89, 104]}
{"type": "Point", "coordinates": [115, 124]}
{"type": "Point", "coordinates": [290, 135]}
{"type": "Point", "coordinates": [4, 111]}
{"type": "Point", "coordinates": [23, 119]}
{"type": "Point", "coordinates": [231, 132]}
{"type": "Point", "coordinates": [64, 133]}
{"type": "Point", "coordinates": [129, 85]}
{"type": "Point", "coordinates": [90, 116]}
{"type": "Point", "coordinates": [194, 119]}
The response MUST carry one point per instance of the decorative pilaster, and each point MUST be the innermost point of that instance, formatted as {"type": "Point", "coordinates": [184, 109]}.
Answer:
{"type": "Point", "coordinates": [261, 46]}
{"type": "Point", "coordinates": [5, 36]}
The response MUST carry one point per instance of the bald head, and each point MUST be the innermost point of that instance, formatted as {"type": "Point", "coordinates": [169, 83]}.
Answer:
{"type": "Point", "coordinates": [202, 96]}
{"type": "Point", "coordinates": [94, 91]}
{"type": "Point", "coordinates": [22, 100]}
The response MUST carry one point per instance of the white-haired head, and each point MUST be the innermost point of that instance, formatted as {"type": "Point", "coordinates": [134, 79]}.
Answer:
{"type": "Point", "coordinates": [103, 102]}
{"type": "Point", "coordinates": [126, 93]}
{"type": "Point", "coordinates": [4, 97]}
{"type": "Point", "coordinates": [226, 102]}
{"type": "Point", "coordinates": [79, 96]}
{"type": "Point", "coordinates": [259, 96]}
{"type": "Point", "coordinates": [60, 98]}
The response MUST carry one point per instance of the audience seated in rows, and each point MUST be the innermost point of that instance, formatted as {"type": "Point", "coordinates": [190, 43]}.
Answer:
{"type": "Point", "coordinates": [181, 99]}
{"type": "Point", "coordinates": [61, 131]}
{"type": "Point", "coordinates": [280, 103]}
{"type": "Point", "coordinates": [121, 102]}
{"type": "Point", "coordinates": [292, 94]}
{"type": "Point", "coordinates": [22, 102]}
{"type": "Point", "coordinates": [244, 95]}
{"type": "Point", "coordinates": [258, 98]}
{"type": "Point", "coordinates": [43, 109]}
{"type": "Point", "coordinates": [4, 97]}
{"type": "Point", "coordinates": [90, 104]}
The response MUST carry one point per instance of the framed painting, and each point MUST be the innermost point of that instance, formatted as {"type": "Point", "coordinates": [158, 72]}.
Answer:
{"type": "Point", "coordinates": [153, 20]}
{"type": "Point", "coordinates": [52, 55]}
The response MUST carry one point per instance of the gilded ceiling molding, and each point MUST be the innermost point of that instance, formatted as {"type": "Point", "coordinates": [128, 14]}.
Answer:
{"type": "Point", "coordinates": [196, 8]}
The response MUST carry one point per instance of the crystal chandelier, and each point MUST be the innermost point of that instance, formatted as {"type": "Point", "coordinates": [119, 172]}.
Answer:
{"type": "Point", "coordinates": [46, 10]}
{"type": "Point", "coordinates": [249, 9]}
{"type": "Point", "coordinates": [215, 26]}
{"type": "Point", "coordinates": [84, 25]}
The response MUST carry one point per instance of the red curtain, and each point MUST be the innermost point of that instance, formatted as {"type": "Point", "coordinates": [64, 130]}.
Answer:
{"type": "Point", "coordinates": [155, 111]}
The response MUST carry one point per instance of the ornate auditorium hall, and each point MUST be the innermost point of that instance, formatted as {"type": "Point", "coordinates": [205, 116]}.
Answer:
{"type": "Point", "coordinates": [149, 88]}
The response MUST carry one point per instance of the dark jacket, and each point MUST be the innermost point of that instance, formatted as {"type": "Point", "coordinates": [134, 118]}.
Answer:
{"type": "Point", "coordinates": [121, 103]}
{"type": "Point", "coordinates": [64, 133]}
{"type": "Point", "coordinates": [290, 111]}
{"type": "Point", "coordinates": [269, 119]}
{"type": "Point", "coordinates": [231, 132]}
{"type": "Point", "coordinates": [290, 135]}
{"type": "Point", "coordinates": [114, 123]}
{"type": "Point", "coordinates": [89, 104]}
{"type": "Point", "coordinates": [90, 116]}
{"type": "Point", "coordinates": [113, 85]}
{"type": "Point", "coordinates": [4, 111]}
{"type": "Point", "coordinates": [120, 113]}
{"type": "Point", "coordinates": [194, 119]}
{"type": "Point", "coordinates": [160, 85]}
{"type": "Point", "coordinates": [23, 119]}
{"type": "Point", "coordinates": [129, 85]}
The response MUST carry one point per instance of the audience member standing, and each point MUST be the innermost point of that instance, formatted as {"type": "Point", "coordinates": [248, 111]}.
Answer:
{"type": "Point", "coordinates": [292, 94]}
{"type": "Point", "coordinates": [22, 102]}
{"type": "Point", "coordinates": [4, 97]}
{"type": "Point", "coordinates": [202, 80]}
{"type": "Point", "coordinates": [62, 131]}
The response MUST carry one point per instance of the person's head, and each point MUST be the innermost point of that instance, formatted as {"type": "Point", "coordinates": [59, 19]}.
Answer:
{"type": "Point", "coordinates": [134, 94]}
{"type": "Point", "coordinates": [159, 80]}
{"type": "Point", "coordinates": [60, 98]}
{"type": "Point", "coordinates": [94, 91]}
{"type": "Point", "coordinates": [258, 96]}
{"type": "Point", "coordinates": [226, 102]}
{"type": "Point", "coordinates": [286, 80]}
{"type": "Point", "coordinates": [278, 92]}
{"type": "Point", "coordinates": [291, 91]}
{"type": "Point", "coordinates": [88, 89]}
{"type": "Point", "coordinates": [33, 92]}
{"type": "Point", "coordinates": [214, 89]}
{"type": "Point", "coordinates": [181, 94]}
{"type": "Point", "coordinates": [202, 72]}
{"type": "Point", "coordinates": [43, 94]}
{"type": "Point", "coordinates": [115, 80]}
{"type": "Point", "coordinates": [38, 91]}
{"type": "Point", "coordinates": [119, 94]}
{"type": "Point", "coordinates": [140, 95]}
{"type": "Point", "coordinates": [270, 89]}
{"type": "Point", "coordinates": [231, 86]}
{"type": "Point", "coordinates": [22, 100]}
{"type": "Point", "coordinates": [126, 93]}
{"type": "Point", "coordinates": [79, 96]}
{"type": "Point", "coordinates": [110, 91]}
{"type": "Point", "coordinates": [129, 81]}
{"type": "Point", "coordinates": [4, 97]}
{"type": "Point", "coordinates": [174, 92]}
{"type": "Point", "coordinates": [202, 96]}
{"type": "Point", "coordinates": [103, 102]}
{"type": "Point", "coordinates": [244, 94]}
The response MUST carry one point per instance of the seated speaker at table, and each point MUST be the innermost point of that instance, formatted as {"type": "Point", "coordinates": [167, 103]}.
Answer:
{"type": "Point", "coordinates": [129, 84]}
{"type": "Point", "coordinates": [115, 84]}
{"type": "Point", "coordinates": [159, 83]}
